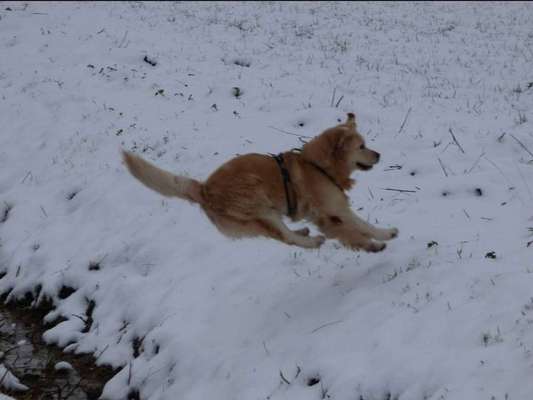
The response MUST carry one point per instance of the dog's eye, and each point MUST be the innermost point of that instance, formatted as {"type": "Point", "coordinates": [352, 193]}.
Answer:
{"type": "Point", "coordinates": [362, 146]}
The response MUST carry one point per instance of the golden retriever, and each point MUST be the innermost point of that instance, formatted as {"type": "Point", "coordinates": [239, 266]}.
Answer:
{"type": "Point", "coordinates": [249, 194]}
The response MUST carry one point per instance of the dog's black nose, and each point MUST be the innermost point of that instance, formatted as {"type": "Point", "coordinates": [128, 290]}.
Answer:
{"type": "Point", "coordinates": [377, 156]}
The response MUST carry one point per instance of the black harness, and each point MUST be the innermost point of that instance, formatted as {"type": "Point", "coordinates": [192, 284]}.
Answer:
{"type": "Point", "coordinates": [292, 204]}
{"type": "Point", "coordinates": [327, 175]}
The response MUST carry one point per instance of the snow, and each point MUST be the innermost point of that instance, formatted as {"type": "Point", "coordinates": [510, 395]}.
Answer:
{"type": "Point", "coordinates": [9, 381]}
{"type": "Point", "coordinates": [187, 313]}
{"type": "Point", "coordinates": [63, 365]}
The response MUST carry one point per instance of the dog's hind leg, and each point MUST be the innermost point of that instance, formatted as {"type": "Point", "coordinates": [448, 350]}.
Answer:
{"type": "Point", "coordinates": [274, 227]}
{"type": "Point", "coordinates": [270, 226]}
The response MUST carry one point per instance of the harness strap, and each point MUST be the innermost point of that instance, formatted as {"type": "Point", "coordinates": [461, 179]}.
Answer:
{"type": "Point", "coordinates": [318, 167]}
{"type": "Point", "coordinates": [327, 175]}
{"type": "Point", "coordinates": [291, 203]}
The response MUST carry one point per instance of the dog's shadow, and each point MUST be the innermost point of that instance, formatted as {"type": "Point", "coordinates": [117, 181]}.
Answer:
{"type": "Point", "coordinates": [358, 278]}
{"type": "Point", "coordinates": [311, 301]}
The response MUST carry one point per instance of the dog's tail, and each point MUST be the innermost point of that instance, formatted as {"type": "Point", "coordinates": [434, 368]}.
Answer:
{"type": "Point", "coordinates": [162, 181]}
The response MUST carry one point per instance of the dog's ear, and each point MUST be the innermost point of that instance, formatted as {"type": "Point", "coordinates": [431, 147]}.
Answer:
{"type": "Point", "coordinates": [350, 120]}
{"type": "Point", "coordinates": [341, 138]}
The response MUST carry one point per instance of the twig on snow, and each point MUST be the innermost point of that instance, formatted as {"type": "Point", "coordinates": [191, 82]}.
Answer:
{"type": "Point", "coordinates": [289, 133]}
{"type": "Point", "coordinates": [4, 376]}
{"type": "Point", "coordinates": [522, 145]}
{"type": "Point", "coordinates": [129, 374]}
{"type": "Point", "coordinates": [123, 40]}
{"type": "Point", "coordinates": [28, 174]}
{"type": "Point", "coordinates": [405, 119]}
{"type": "Point", "coordinates": [102, 352]}
{"type": "Point", "coordinates": [399, 190]}
{"type": "Point", "coordinates": [455, 140]}
{"type": "Point", "coordinates": [525, 181]}
{"type": "Point", "coordinates": [442, 166]}
{"type": "Point", "coordinates": [476, 163]}
{"type": "Point", "coordinates": [80, 317]}
{"type": "Point", "coordinates": [497, 168]}
{"type": "Point", "coordinates": [266, 349]}
{"type": "Point", "coordinates": [328, 324]}
{"type": "Point", "coordinates": [150, 61]}
{"type": "Point", "coordinates": [283, 378]}
{"type": "Point", "coordinates": [333, 97]}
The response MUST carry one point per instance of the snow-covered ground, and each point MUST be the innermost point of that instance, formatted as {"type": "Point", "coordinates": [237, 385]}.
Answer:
{"type": "Point", "coordinates": [9, 381]}
{"type": "Point", "coordinates": [443, 90]}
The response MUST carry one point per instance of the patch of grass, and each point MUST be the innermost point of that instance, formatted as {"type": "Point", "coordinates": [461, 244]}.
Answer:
{"type": "Point", "coordinates": [44, 381]}
{"type": "Point", "coordinates": [136, 345]}
{"type": "Point", "coordinates": [65, 292]}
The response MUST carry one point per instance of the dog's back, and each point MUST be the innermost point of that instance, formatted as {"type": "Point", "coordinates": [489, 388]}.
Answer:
{"type": "Point", "coordinates": [244, 187]}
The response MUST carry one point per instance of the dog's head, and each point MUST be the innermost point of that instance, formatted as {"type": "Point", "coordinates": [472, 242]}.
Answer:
{"type": "Point", "coordinates": [348, 144]}
{"type": "Point", "coordinates": [340, 151]}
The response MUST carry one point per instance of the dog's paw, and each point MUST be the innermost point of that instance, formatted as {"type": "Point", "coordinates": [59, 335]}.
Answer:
{"type": "Point", "coordinates": [303, 231]}
{"type": "Point", "coordinates": [386, 234]}
{"type": "Point", "coordinates": [393, 233]}
{"type": "Point", "coordinates": [310, 242]}
{"type": "Point", "coordinates": [375, 247]}
{"type": "Point", "coordinates": [318, 240]}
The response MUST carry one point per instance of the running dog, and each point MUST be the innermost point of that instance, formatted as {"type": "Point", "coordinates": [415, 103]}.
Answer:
{"type": "Point", "coordinates": [249, 194]}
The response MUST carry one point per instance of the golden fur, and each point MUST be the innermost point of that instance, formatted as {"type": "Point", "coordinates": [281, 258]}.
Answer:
{"type": "Point", "coordinates": [246, 195]}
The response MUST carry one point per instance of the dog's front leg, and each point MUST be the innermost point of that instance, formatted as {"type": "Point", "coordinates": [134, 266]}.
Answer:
{"type": "Point", "coordinates": [348, 232]}
{"type": "Point", "coordinates": [370, 230]}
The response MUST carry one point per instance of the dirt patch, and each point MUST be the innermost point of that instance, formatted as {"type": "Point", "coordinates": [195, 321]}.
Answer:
{"type": "Point", "coordinates": [34, 362]}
